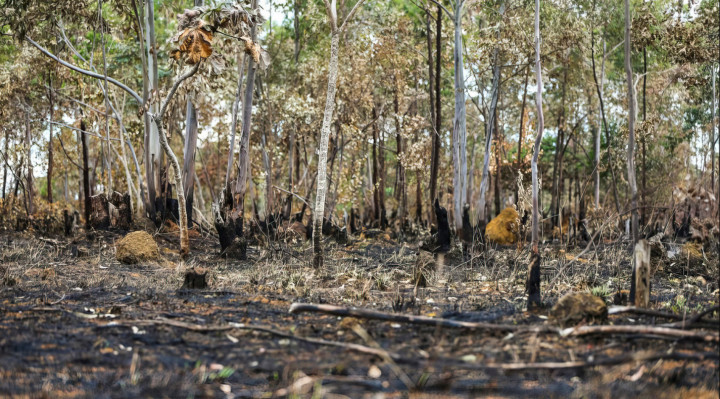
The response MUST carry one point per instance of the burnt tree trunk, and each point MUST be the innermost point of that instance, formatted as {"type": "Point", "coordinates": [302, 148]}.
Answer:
{"type": "Point", "coordinates": [401, 194]}
{"type": "Point", "coordinates": [435, 157]}
{"type": "Point", "coordinates": [188, 171]}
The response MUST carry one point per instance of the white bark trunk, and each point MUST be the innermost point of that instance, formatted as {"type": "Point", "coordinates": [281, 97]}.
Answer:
{"type": "Point", "coordinates": [459, 135]}
{"type": "Point", "coordinates": [152, 145]}
{"type": "Point", "coordinates": [631, 125]}
{"type": "Point", "coordinates": [538, 137]}
{"type": "Point", "coordinates": [601, 86]}
{"type": "Point", "coordinates": [157, 121]}
{"type": "Point", "coordinates": [235, 110]}
{"type": "Point", "coordinates": [322, 151]}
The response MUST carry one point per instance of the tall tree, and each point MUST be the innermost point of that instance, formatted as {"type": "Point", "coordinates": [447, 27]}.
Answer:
{"type": "Point", "coordinates": [335, 31]}
{"type": "Point", "coordinates": [491, 124]}
{"type": "Point", "coordinates": [437, 115]}
{"type": "Point", "coordinates": [50, 142]}
{"type": "Point", "coordinates": [533, 279]}
{"type": "Point", "coordinates": [631, 125]}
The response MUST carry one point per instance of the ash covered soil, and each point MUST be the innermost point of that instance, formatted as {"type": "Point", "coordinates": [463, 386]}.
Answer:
{"type": "Point", "coordinates": [75, 322]}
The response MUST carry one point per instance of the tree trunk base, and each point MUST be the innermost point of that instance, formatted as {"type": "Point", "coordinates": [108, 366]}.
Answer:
{"type": "Point", "coordinates": [195, 279]}
{"type": "Point", "coordinates": [229, 229]}
{"type": "Point", "coordinates": [70, 222]}
{"type": "Point", "coordinates": [533, 282]}
{"type": "Point", "coordinates": [115, 211]}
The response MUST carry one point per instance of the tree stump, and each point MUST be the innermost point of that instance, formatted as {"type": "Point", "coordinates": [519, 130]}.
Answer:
{"type": "Point", "coordinates": [440, 241]}
{"type": "Point", "coordinates": [533, 282]}
{"type": "Point", "coordinates": [229, 228]}
{"type": "Point", "coordinates": [122, 217]}
{"type": "Point", "coordinates": [70, 222]}
{"type": "Point", "coordinates": [195, 279]}
{"type": "Point", "coordinates": [115, 211]}
{"type": "Point", "coordinates": [640, 283]}
{"type": "Point", "coordinates": [99, 212]}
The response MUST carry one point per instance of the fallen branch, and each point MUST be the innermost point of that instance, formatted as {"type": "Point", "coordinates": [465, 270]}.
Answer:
{"type": "Point", "coordinates": [636, 357]}
{"type": "Point", "coordinates": [645, 312]}
{"type": "Point", "coordinates": [683, 320]}
{"type": "Point", "coordinates": [659, 331]}
{"type": "Point", "coordinates": [696, 320]}
{"type": "Point", "coordinates": [421, 320]}
{"type": "Point", "coordinates": [238, 326]}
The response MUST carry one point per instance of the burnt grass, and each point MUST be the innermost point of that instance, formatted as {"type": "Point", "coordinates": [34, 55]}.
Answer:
{"type": "Point", "coordinates": [81, 324]}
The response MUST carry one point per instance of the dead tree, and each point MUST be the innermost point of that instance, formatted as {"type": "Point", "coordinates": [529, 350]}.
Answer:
{"type": "Point", "coordinates": [640, 281]}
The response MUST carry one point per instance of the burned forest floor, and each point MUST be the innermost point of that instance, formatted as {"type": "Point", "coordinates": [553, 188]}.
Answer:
{"type": "Point", "coordinates": [75, 322]}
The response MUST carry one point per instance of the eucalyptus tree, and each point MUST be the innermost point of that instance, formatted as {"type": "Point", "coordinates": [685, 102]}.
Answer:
{"type": "Point", "coordinates": [491, 124]}
{"type": "Point", "coordinates": [459, 134]}
{"type": "Point", "coordinates": [632, 182]}
{"type": "Point", "coordinates": [335, 32]}
{"type": "Point", "coordinates": [533, 278]}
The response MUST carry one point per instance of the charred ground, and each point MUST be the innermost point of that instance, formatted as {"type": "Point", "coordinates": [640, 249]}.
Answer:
{"type": "Point", "coordinates": [88, 325]}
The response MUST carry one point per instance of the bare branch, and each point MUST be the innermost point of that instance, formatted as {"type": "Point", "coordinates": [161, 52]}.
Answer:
{"type": "Point", "coordinates": [351, 14]}
{"type": "Point", "coordinates": [450, 15]}
{"type": "Point", "coordinates": [85, 71]}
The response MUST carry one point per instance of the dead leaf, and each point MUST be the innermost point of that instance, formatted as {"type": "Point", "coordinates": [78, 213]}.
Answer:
{"type": "Point", "coordinates": [195, 44]}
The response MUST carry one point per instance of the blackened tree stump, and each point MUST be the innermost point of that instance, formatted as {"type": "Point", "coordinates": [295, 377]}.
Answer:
{"type": "Point", "coordinates": [195, 279]}
{"type": "Point", "coordinates": [114, 211]}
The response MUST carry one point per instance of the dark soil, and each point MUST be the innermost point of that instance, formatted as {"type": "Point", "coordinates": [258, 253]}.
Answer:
{"type": "Point", "coordinates": [92, 327]}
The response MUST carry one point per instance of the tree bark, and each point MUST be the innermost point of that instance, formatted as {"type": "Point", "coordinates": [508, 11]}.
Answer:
{"type": "Point", "coordinates": [484, 182]}
{"type": "Point", "coordinates": [86, 172]}
{"type": "Point", "coordinates": [712, 133]}
{"type": "Point", "coordinates": [557, 176]}
{"type": "Point", "coordinates": [108, 159]}
{"type": "Point", "coordinates": [296, 29]}
{"type": "Point", "coordinates": [533, 280]}
{"type": "Point", "coordinates": [631, 125]}
{"type": "Point", "coordinates": [322, 150]}
{"type": "Point", "coordinates": [153, 152]}
{"type": "Point", "coordinates": [188, 171]}
{"type": "Point", "coordinates": [436, 131]}
{"type": "Point", "coordinates": [599, 85]}
{"type": "Point", "coordinates": [401, 194]}
{"type": "Point", "coordinates": [5, 166]}
{"type": "Point", "coordinates": [158, 121]}
{"type": "Point", "coordinates": [50, 145]}
{"type": "Point", "coordinates": [235, 110]}
{"type": "Point", "coordinates": [498, 170]}
{"type": "Point", "coordinates": [237, 215]}
{"type": "Point", "coordinates": [518, 160]}
{"type": "Point", "coordinates": [29, 189]}
{"type": "Point", "coordinates": [459, 134]}
{"type": "Point", "coordinates": [644, 138]}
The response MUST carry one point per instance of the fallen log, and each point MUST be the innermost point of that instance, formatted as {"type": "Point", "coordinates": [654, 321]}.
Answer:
{"type": "Point", "coordinates": [421, 320]}
{"type": "Point", "coordinates": [658, 331]}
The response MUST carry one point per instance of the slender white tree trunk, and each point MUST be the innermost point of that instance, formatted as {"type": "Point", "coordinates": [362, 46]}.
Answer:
{"type": "Point", "coordinates": [712, 133]}
{"type": "Point", "coordinates": [459, 135]}
{"type": "Point", "coordinates": [533, 281]}
{"type": "Point", "coordinates": [157, 121]}
{"type": "Point", "coordinates": [538, 137]}
{"type": "Point", "coordinates": [631, 125]}
{"type": "Point", "coordinates": [601, 85]}
{"type": "Point", "coordinates": [322, 151]}
{"type": "Point", "coordinates": [235, 110]}
{"type": "Point", "coordinates": [152, 140]}
{"type": "Point", "coordinates": [482, 217]}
